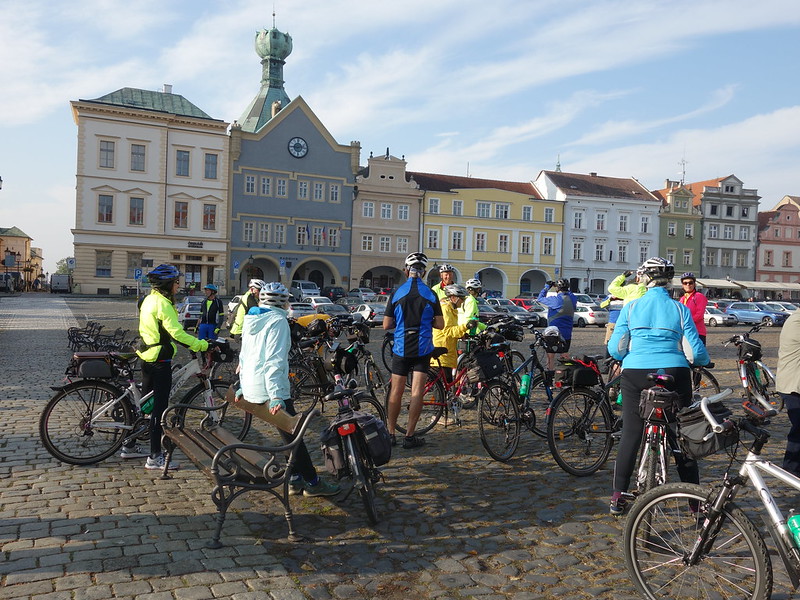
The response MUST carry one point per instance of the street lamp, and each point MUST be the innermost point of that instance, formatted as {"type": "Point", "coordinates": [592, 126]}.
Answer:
{"type": "Point", "coordinates": [588, 279]}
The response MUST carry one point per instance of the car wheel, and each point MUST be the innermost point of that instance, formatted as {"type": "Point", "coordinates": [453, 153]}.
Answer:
{"type": "Point", "coordinates": [581, 323]}
{"type": "Point", "coordinates": [712, 323]}
{"type": "Point", "coordinates": [768, 321]}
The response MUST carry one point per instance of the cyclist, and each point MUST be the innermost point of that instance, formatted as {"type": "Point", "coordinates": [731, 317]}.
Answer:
{"type": "Point", "coordinates": [647, 338]}
{"type": "Point", "coordinates": [212, 314]}
{"type": "Point", "coordinates": [413, 311]}
{"type": "Point", "coordinates": [448, 336]}
{"type": "Point", "coordinates": [561, 309]}
{"type": "Point", "coordinates": [695, 302]}
{"type": "Point", "coordinates": [627, 291]}
{"type": "Point", "coordinates": [264, 377]}
{"type": "Point", "coordinates": [447, 276]}
{"type": "Point", "coordinates": [159, 329]}
{"type": "Point", "coordinates": [469, 310]}
{"type": "Point", "coordinates": [246, 302]}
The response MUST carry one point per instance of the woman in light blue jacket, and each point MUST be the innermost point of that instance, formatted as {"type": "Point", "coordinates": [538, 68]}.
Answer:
{"type": "Point", "coordinates": [653, 333]}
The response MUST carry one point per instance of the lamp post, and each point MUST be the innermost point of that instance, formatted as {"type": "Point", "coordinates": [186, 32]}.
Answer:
{"type": "Point", "coordinates": [588, 280]}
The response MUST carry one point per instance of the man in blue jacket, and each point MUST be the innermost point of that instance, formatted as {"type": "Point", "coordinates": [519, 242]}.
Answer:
{"type": "Point", "coordinates": [561, 309]}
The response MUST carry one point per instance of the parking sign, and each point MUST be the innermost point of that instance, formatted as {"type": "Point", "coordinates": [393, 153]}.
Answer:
{"type": "Point", "coordinates": [137, 274]}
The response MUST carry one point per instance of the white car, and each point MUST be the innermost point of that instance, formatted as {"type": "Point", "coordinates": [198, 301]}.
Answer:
{"type": "Point", "coordinates": [365, 294]}
{"type": "Point", "coordinates": [300, 309]}
{"type": "Point", "coordinates": [714, 316]}
{"type": "Point", "coordinates": [372, 312]}
{"type": "Point", "coordinates": [585, 300]}
{"type": "Point", "coordinates": [189, 310]}
{"type": "Point", "coordinates": [315, 301]}
{"type": "Point", "coordinates": [590, 315]}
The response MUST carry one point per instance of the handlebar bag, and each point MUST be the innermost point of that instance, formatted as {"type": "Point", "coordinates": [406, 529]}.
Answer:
{"type": "Point", "coordinates": [750, 350]}
{"type": "Point", "coordinates": [693, 428]}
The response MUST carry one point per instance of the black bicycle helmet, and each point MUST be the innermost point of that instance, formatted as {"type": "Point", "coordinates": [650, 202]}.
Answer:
{"type": "Point", "coordinates": [562, 285]}
{"type": "Point", "coordinates": [688, 275]}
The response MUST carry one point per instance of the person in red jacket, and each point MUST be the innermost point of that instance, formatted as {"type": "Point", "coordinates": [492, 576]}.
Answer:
{"type": "Point", "coordinates": [695, 302]}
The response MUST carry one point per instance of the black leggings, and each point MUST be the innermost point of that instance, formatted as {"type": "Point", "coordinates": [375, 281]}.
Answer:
{"type": "Point", "coordinates": [302, 465]}
{"type": "Point", "coordinates": [157, 376]}
{"type": "Point", "coordinates": [632, 383]}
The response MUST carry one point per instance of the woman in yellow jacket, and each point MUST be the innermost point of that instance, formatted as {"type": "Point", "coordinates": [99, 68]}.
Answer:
{"type": "Point", "coordinates": [448, 336]}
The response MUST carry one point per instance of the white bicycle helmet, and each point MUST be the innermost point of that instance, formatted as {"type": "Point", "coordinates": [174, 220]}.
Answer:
{"type": "Point", "coordinates": [455, 289]}
{"type": "Point", "coordinates": [416, 260]}
{"type": "Point", "coordinates": [273, 294]}
{"type": "Point", "coordinates": [256, 283]}
{"type": "Point", "coordinates": [473, 284]}
{"type": "Point", "coordinates": [446, 267]}
{"type": "Point", "coordinates": [658, 271]}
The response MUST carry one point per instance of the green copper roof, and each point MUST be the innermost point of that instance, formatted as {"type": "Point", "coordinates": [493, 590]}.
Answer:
{"type": "Point", "coordinates": [13, 232]}
{"type": "Point", "coordinates": [173, 104]}
{"type": "Point", "coordinates": [272, 46]}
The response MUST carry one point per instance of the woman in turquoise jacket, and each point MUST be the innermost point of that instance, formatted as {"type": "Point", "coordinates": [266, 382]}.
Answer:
{"type": "Point", "coordinates": [653, 333]}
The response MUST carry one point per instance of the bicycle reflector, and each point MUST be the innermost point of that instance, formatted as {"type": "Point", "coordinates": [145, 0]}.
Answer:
{"type": "Point", "coordinates": [346, 428]}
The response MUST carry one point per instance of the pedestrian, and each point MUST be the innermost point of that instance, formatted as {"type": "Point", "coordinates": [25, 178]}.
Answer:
{"type": "Point", "coordinates": [647, 338]}
{"type": "Point", "coordinates": [212, 314]}
{"type": "Point", "coordinates": [695, 302]}
{"type": "Point", "coordinates": [447, 276]}
{"type": "Point", "coordinates": [413, 311]}
{"type": "Point", "coordinates": [787, 384]}
{"type": "Point", "coordinates": [561, 309]}
{"type": "Point", "coordinates": [159, 329]}
{"type": "Point", "coordinates": [248, 300]}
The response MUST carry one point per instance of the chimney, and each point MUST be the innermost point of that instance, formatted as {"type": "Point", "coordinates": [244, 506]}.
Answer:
{"type": "Point", "coordinates": [593, 174]}
{"type": "Point", "coordinates": [167, 89]}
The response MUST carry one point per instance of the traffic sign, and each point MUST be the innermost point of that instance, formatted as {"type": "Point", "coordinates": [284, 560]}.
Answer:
{"type": "Point", "coordinates": [70, 263]}
{"type": "Point", "coordinates": [236, 264]}
{"type": "Point", "coordinates": [283, 263]}
{"type": "Point", "coordinates": [137, 274]}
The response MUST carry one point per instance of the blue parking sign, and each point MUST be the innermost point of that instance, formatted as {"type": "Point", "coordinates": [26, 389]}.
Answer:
{"type": "Point", "coordinates": [137, 274]}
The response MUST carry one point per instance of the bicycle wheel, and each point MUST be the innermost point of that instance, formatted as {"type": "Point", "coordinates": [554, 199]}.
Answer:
{"type": "Point", "coordinates": [755, 388]}
{"type": "Point", "coordinates": [367, 403]}
{"type": "Point", "coordinates": [386, 352]}
{"type": "Point", "coordinates": [74, 430]}
{"type": "Point", "coordinates": [225, 371]}
{"type": "Point", "coordinates": [433, 401]}
{"type": "Point", "coordinates": [304, 386]}
{"type": "Point", "coordinates": [236, 420]}
{"type": "Point", "coordinates": [538, 404]}
{"type": "Point", "coordinates": [498, 421]}
{"type": "Point", "coordinates": [704, 382]}
{"type": "Point", "coordinates": [362, 479]}
{"type": "Point", "coordinates": [661, 530]}
{"type": "Point", "coordinates": [374, 380]}
{"type": "Point", "coordinates": [579, 431]}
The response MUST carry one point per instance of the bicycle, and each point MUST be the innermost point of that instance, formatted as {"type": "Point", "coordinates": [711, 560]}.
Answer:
{"type": "Point", "coordinates": [703, 381]}
{"type": "Point", "coordinates": [755, 376]}
{"type": "Point", "coordinates": [685, 540]}
{"type": "Point", "coordinates": [88, 420]}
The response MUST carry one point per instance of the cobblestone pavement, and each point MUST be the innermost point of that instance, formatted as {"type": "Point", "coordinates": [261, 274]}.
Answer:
{"type": "Point", "coordinates": [455, 523]}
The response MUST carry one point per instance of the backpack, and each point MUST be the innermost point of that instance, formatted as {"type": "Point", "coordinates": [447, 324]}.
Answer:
{"type": "Point", "coordinates": [232, 314]}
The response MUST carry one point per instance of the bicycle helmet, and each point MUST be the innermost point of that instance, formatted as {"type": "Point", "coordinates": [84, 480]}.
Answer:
{"type": "Point", "coordinates": [562, 285]}
{"type": "Point", "coordinates": [273, 294]}
{"type": "Point", "coordinates": [211, 286]}
{"type": "Point", "coordinates": [455, 289]}
{"type": "Point", "coordinates": [416, 260]}
{"type": "Point", "coordinates": [445, 268]}
{"type": "Point", "coordinates": [688, 275]}
{"type": "Point", "coordinates": [473, 284]}
{"type": "Point", "coordinates": [164, 272]}
{"type": "Point", "coordinates": [256, 283]}
{"type": "Point", "coordinates": [657, 271]}
{"type": "Point", "coordinates": [553, 342]}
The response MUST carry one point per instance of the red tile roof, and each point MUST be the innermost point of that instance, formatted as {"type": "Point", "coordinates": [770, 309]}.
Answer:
{"type": "Point", "coordinates": [437, 182]}
{"type": "Point", "coordinates": [576, 184]}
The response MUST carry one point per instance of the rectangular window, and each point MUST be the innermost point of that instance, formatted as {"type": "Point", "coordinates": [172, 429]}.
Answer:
{"type": "Point", "coordinates": [403, 212]}
{"type": "Point", "coordinates": [688, 230]}
{"type": "Point", "coordinates": [333, 190]}
{"type": "Point", "coordinates": [600, 222]}
{"type": "Point", "coordinates": [302, 190]}
{"type": "Point", "coordinates": [744, 233]}
{"type": "Point", "coordinates": [483, 210]}
{"type": "Point", "coordinates": [102, 263]}
{"type": "Point", "coordinates": [433, 206]}
{"type": "Point", "coordinates": [433, 238]}
{"type": "Point", "coordinates": [547, 245]}
{"type": "Point", "coordinates": [107, 155]}
{"type": "Point", "coordinates": [250, 184]}
{"type": "Point", "coordinates": [209, 217]}
{"type": "Point", "coordinates": [502, 242]}
{"type": "Point", "coordinates": [386, 211]}
{"type": "Point", "coordinates": [644, 253]}
{"type": "Point", "coordinates": [577, 220]}
{"type": "Point", "coordinates": [385, 244]}
{"type": "Point", "coordinates": [210, 170]}
{"type": "Point", "coordinates": [281, 183]}
{"type": "Point", "coordinates": [248, 228]}
{"type": "Point", "coordinates": [458, 240]}
{"type": "Point", "coordinates": [181, 220]}
{"type": "Point", "coordinates": [527, 213]}
{"type": "Point", "coordinates": [671, 228]}
{"type": "Point", "coordinates": [458, 208]}
{"type": "Point", "coordinates": [480, 242]}
{"type": "Point", "coordinates": [671, 255]}
{"type": "Point", "coordinates": [280, 234]}
{"type": "Point", "coordinates": [333, 237]}
{"type": "Point", "coordinates": [745, 212]}
{"type": "Point", "coordinates": [316, 236]}
{"type": "Point", "coordinates": [501, 211]}
{"type": "Point", "coordinates": [366, 243]}
{"type": "Point", "coordinates": [622, 253]}
{"type": "Point", "coordinates": [728, 211]}
{"type": "Point", "coordinates": [577, 250]}
{"type": "Point", "coordinates": [741, 258]}
{"type": "Point", "coordinates": [599, 252]}
{"type": "Point", "coordinates": [105, 209]}
{"type": "Point", "coordinates": [263, 233]}
{"type": "Point", "coordinates": [727, 232]}
{"type": "Point", "coordinates": [728, 189]}
{"type": "Point", "coordinates": [368, 210]}
{"type": "Point", "coordinates": [687, 258]}
{"type": "Point", "coordinates": [402, 245]}
{"type": "Point", "coordinates": [713, 231]}
{"type": "Point", "coordinates": [777, 232]}
{"type": "Point", "coordinates": [726, 258]}
{"type": "Point", "coordinates": [711, 258]}
{"type": "Point", "coordinates": [301, 239]}
{"type": "Point", "coordinates": [525, 244]}
{"type": "Point", "coordinates": [787, 259]}
{"type": "Point", "coordinates": [713, 209]}
{"type": "Point", "coordinates": [767, 258]}
{"type": "Point", "coordinates": [623, 224]}
{"type": "Point", "coordinates": [266, 186]}
{"type": "Point", "coordinates": [137, 157]}
{"type": "Point", "coordinates": [136, 211]}
{"type": "Point", "coordinates": [134, 262]}
{"type": "Point", "coordinates": [549, 215]}
{"type": "Point", "coordinates": [319, 192]}
{"type": "Point", "coordinates": [182, 163]}
{"type": "Point", "coordinates": [645, 224]}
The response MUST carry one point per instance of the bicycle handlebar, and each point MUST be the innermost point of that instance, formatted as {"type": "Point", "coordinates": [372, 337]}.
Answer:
{"type": "Point", "coordinates": [716, 426]}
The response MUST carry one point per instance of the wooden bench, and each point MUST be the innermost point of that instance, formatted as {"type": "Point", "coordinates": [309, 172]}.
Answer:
{"type": "Point", "coordinates": [234, 466]}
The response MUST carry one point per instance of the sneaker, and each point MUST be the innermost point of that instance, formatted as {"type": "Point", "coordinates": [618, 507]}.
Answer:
{"type": "Point", "coordinates": [136, 451]}
{"type": "Point", "coordinates": [618, 504]}
{"type": "Point", "coordinates": [296, 487]}
{"type": "Point", "coordinates": [323, 488]}
{"type": "Point", "coordinates": [413, 441]}
{"type": "Point", "coordinates": [154, 464]}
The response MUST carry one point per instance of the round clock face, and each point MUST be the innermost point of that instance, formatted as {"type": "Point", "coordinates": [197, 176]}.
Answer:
{"type": "Point", "coordinates": [298, 147]}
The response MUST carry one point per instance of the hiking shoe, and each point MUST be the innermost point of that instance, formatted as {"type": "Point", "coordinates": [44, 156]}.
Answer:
{"type": "Point", "coordinates": [136, 451]}
{"type": "Point", "coordinates": [394, 439]}
{"type": "Point", "coordinates": [413, 441]}
{"type": "Point", "coordinates": [154, 464]}
{"type": "Point", "coordinates": [618, 504]}
{"type": "Point", "coordinates": [323, 488]}
{"type": "Point", "coordinates": [296, 487]}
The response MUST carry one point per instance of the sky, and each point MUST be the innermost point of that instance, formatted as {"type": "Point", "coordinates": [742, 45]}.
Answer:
{"type": "Point", "coordinates": [651, 89]}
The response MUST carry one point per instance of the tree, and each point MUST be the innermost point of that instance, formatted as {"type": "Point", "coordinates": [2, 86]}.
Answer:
{"type": "Point", "coordinates": [62, 268]}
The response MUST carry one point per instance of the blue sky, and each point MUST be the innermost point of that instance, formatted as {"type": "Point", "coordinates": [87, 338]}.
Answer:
{"type": "Point", "coordinates": [497, 90]}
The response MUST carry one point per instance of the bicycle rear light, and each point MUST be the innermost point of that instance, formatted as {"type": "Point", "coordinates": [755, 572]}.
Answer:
{"type": "Point", "coordinates": [346, 428]}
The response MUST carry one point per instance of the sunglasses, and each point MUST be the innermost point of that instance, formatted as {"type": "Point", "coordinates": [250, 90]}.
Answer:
{"type": "Point", "coordinates": [687, 282]}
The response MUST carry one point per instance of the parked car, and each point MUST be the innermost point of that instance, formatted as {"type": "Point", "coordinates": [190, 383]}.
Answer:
{"type": "Point", "coordinates": [349, 302]}
{"type": "Point", "coordinates": [585, 300]}
{"type": "Point", "coordinates": [751, 312]}
{"type": "Point", "coordinates": [485, 311]}
{"type": "Point", "coordinates": [522, 316]}
{"type": "Point", "coordinates": [721, 303]}
{"type": "Point", "coordinates": [335, 310]}
{"type": "Point", "coordinates": [300, 309]}
{"type": "Point", "coordinates": [781, 306]}
{"type": "Point", "coordinates": [365, 294]}
{"type": "Point", "coordinates": [533, 306]}
{"type": "Point", "coordinates": [371, 312]}
{"type": "Point", "coordinates": [714, 316]}
{"type": "Point", "coordinates": [492, 294]}
{"type": "Point", "coordinates": [525, 302]}
{"type": "Point", "coordinates": [301, 288]}
{"type": "Point", "coordinates": [590, 315]}
{"type": "Point", "coordinates": [189, 310]}
{"type": "Point", "coordinates": [315, 301]}
{"type": "Point", "coordinates": [383, 291]}
{"type": "Point", "coordinates": [334, 292]}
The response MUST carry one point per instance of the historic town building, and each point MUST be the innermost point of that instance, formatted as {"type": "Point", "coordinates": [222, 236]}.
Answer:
{"type": "Point", "coordinates": [778, 257]}
{"type": "Point", "coordinates": [680, 225]}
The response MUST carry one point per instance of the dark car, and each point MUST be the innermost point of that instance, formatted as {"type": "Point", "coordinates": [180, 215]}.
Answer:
{"type": "Point", "coordinates": [336, 310]}
{"type": "Point", "coordinates": [334, 292]}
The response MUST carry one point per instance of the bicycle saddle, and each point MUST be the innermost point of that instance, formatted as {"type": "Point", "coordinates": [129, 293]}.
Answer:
{"type": "Point", "coordinates": [438, 351]}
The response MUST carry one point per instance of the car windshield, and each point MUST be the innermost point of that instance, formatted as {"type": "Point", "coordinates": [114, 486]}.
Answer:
{"type": "Point", "coordinates": [713, 311]}
{"type": "Point", "coordinates": [514, 308]}
{"type": "Point", "coordinates": [334, 308]}
{"type": "Point", "coordinates": [584, 298]}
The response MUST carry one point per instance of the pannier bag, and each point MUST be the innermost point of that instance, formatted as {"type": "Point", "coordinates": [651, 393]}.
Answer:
{"type": "Point", "coordinates": [658, 397]}
{"type": "Point", "coordinates": [577, 376]}
{"type": "Point", "coordinates": [483, 365]}
{"type": "Point", "coordinates": [331, 444]}
{"type": "Point", "coordinates": [91, 368]}
{"type": "Point", "coordinates": [377, 438]}
{"type": "Point", "coordinates": [750, 350]}
{"type": "Point", "coordinates": [693, 428]}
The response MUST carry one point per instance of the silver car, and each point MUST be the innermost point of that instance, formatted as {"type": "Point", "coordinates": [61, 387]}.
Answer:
{"type": "Point", "coordinates": [300, 309]}
{"type": "Point", "coordinates": [371, 312]}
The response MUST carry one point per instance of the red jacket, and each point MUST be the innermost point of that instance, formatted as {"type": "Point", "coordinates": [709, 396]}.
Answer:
{"type": "Point", "coordinates": [696, 303]}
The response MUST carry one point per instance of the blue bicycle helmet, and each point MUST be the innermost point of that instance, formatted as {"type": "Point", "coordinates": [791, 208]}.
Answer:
{"type": "Point", "coordinates": [164, 272]}
{"type": "Point", "coordinates": [211, 286]}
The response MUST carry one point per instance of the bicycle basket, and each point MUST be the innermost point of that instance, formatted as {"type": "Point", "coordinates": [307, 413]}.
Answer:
{"type": "Point", "coordinates": [576, 376]}
{"type": "Point", "coordinates": [693, 429]}
{"type": "Point", "coordinates": [658, 404]}
{"type": "Point", "coordinates": [483, 365]}
{"type": "Point", "coordinates": [750, 350]}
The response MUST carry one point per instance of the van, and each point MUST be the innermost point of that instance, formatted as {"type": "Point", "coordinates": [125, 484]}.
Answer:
{"type": "Point", "coordinates": [301, 288]}
{"type": "Point", "coordinates": [60, 283]}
